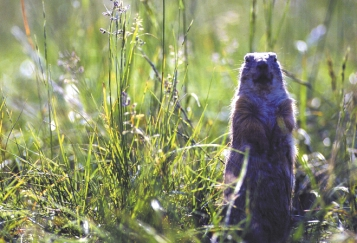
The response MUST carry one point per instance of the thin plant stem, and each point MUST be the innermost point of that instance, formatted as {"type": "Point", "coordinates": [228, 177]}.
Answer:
{"type": "Point", "coordinates": [48, 80]}
{"type": "Point", "coordinates": [163, 50]}
{"type": "Point", "coordinates": [252, 25]}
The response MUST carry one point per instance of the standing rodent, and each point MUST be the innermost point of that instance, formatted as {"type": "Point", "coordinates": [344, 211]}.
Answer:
{"type": "Point", "coordinates": [262, 120]}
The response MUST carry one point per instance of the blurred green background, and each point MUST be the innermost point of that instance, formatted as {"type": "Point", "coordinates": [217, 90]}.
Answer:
{"type": "Point", "coordinates": [305, 34]}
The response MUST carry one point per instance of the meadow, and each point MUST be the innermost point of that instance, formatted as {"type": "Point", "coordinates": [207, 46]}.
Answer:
{"type": "Point", "coordinates": [114, 115]}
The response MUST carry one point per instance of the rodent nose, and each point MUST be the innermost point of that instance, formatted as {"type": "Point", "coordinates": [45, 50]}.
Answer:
{"type": "Point", "coordinates": [262, 65]}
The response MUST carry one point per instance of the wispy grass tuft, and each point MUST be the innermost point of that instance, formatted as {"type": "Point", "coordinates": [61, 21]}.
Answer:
{"type": "Point", "coordinates": [47, 79]}
{"type": "Point", "coordinates": [112, 145]}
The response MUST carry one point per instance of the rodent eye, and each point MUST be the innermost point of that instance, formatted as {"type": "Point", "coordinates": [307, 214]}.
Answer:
{"type": "Point", "coordinates": [246, 59]}
{"type": "Point", "coordinates": [275, 59]}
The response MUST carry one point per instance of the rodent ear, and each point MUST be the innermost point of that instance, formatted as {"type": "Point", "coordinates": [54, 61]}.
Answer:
{"type": "Point", "coordinates": [246, 58]}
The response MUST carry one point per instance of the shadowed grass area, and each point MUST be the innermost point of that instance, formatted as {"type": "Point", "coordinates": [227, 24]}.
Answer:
{"type": "Point", "coordinates": [114, 116]}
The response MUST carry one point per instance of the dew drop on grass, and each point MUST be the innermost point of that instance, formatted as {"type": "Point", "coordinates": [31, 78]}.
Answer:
{"type": "Point", "coordinates": [85, 227]}
{"type": "Point", "coordinates": [301, 46]}
{"type": "Point", "coordinates": [156, 205]}
{"type": "Point", "coordinates": [76, 4]}
{"type": "Point", "coordinates": [353, 78]}
{"type": "Point", "coordinates": [315, 102]}
{"type": "Point", "coordinates": [53, 126]}
{"type": "Point", "coordinates": [327, 142]}
{"type": "Point", "coordinates": [27, 68]}
{"type": "Point", "coordinates": [316, 34]}
{"type": "Point", "coordinates": [71, 116]}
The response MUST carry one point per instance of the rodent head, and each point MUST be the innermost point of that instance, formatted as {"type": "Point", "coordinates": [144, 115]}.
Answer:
{"type": "Point", "coordinates": [261, 73]}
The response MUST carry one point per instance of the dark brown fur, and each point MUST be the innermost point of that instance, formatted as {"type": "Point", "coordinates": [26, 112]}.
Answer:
{"type": "Point", "coordinates": [262, 120]}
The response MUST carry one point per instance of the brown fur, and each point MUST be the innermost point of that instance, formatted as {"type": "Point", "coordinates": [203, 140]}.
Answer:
{"type": "Point", "coordinates": [262, 120]}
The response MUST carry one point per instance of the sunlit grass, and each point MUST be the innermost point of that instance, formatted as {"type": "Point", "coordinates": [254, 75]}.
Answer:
{"type": "Point", "coordinates": [123, 138]}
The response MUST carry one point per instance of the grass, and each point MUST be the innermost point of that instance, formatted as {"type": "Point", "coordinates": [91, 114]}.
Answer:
{"type": "Point", "coordinates": [122, 137]}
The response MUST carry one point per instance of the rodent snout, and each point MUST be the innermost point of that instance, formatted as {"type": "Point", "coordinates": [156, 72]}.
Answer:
{"type": "Point", "coordinates": [262, 65]}
{"type": "Point", "coordinates": [261, 74]}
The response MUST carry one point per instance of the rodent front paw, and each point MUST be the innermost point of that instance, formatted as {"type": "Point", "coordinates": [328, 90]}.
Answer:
{"type": "Point", "coordinates": [258, 142]}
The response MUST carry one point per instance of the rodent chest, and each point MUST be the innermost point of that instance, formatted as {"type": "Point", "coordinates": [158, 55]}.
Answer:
{"type": "Point", "coordinates": [258, 124]}
{"type": "Point", "coordinates": [264, 111]}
